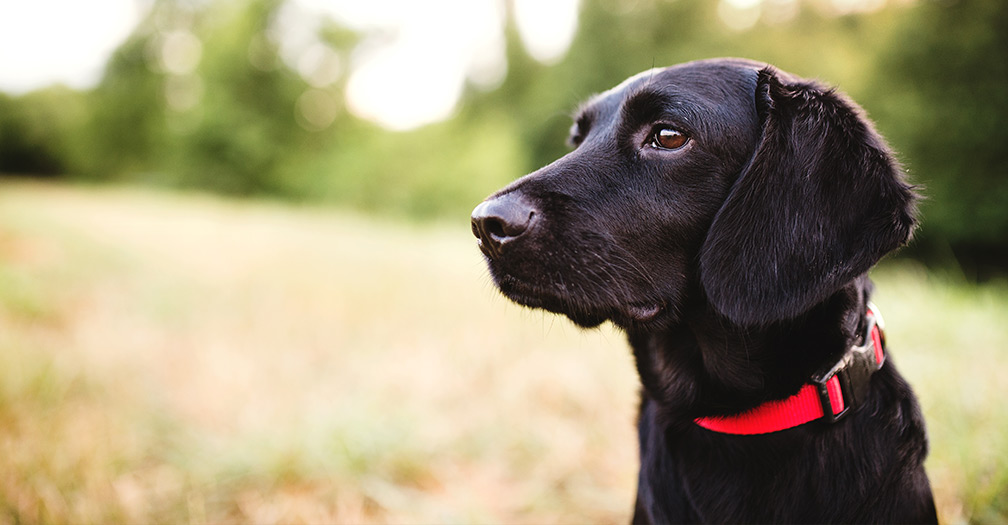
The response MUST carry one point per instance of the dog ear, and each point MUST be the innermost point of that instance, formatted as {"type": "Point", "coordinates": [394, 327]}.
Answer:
{"type": "Point", "coordinates": [821, 200]}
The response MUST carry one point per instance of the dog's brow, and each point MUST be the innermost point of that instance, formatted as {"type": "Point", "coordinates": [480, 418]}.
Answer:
{"type": "Point", "coordinates": [583, 118]}
{"type": "Point", "coordinates": [585, 114]}
{"type": "Point", "coordinates": [645, 104]}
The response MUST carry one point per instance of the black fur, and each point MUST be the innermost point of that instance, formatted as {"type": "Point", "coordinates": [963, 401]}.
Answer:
{"type": "Point", "coordinates": [736, 265]}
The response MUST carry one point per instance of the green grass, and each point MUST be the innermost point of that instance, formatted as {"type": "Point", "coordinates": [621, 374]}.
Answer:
{"type": "Point", "coordinates": [958, 336]}
{"type": "Point", "coordinates": [172, 358]}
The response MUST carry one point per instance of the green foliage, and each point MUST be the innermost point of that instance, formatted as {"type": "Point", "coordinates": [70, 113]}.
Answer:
{"type": "Point", "coordinates": [942, 91]}
{"type": "Point", "coordinates": [444, 169]}
{"type": "Point", "coordinates": [126, 130]}
{"type": "Point", "coordinates": [37, 130]}
{"type": "Point", "coordinates": [237, 146]}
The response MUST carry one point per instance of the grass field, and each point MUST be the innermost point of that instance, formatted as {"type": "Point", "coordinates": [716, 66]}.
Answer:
{"type": "Point", "coordinates": [172, 358]}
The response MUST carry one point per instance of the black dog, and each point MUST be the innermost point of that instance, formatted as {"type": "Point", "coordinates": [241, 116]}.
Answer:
{"type": "Point", "coordinates": [724, 214]}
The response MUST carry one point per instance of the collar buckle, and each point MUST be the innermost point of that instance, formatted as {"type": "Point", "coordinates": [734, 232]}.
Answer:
{"type": "Point", "coordinates": [853, 370]}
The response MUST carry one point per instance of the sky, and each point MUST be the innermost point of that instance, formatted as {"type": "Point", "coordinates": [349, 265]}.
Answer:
{"type": "Point", "coordinates": [409, 72]}
{"type": "Point", "coordinates": [60, 41]}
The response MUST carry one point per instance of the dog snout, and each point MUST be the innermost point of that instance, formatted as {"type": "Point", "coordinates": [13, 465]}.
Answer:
{"type": "Point", "coordinates": [500, 220]}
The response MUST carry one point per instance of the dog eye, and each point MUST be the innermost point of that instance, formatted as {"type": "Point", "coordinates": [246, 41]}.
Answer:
{"type": "Point", "coordinates": [667, 138]}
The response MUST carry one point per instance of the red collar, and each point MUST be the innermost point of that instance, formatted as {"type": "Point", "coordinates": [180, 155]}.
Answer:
{"type": "Point", "coordinates": [830, 395]}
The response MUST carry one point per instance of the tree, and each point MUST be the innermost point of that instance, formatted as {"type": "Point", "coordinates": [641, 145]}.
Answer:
{"type": "Point", "coordinates": [943, 99]}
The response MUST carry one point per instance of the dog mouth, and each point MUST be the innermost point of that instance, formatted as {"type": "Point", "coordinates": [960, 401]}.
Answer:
{"type": "Point", "coordinates": [643, 311]}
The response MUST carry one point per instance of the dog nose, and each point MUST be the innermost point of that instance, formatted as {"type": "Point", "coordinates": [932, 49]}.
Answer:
{"type": "Point", "coordinates": [497, 221]}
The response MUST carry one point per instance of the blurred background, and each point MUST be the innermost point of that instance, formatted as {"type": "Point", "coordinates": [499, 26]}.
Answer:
{"type": "Point", "coordinates": [237, 282]}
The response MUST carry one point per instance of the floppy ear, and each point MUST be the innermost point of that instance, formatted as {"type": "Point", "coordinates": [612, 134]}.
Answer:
{"type": "Point", "coordinates": [820, 202]}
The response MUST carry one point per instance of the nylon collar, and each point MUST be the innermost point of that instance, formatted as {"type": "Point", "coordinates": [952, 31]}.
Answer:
{"type": "Point", "coordinates": [831, 394]}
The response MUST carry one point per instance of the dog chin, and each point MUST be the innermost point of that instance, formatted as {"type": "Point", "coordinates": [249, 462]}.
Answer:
{"type": "Point", "coordinates": [585, 315]}
{"type": "Point", "coordinates": [586, 320]}
{"type": "Point", "coordinates": [629, 317]}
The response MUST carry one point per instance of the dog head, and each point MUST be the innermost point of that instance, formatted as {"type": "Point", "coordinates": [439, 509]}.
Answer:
{"type": "Point", "coordinates": [717, 181]}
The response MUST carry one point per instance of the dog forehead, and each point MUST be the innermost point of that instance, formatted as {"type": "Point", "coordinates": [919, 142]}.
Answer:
{"type": "Point", "coordinates": [713, 82]}
{"type": "Point", "coordinates": [708, 72]}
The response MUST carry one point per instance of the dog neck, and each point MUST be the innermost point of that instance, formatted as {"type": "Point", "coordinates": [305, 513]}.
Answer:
{"type": "Point", "coordinates": [709, 366]}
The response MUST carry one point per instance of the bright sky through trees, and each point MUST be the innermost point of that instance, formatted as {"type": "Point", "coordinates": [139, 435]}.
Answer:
{"type": "Point", "coordinates": [409, 70]}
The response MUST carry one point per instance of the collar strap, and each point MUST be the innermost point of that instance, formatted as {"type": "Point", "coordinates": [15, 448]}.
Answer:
{"type": "Point", "coordinates": [832, 393]}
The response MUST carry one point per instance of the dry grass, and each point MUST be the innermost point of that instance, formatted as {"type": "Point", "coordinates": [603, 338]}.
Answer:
{"type": "Point", "coordinates": [185, 359]}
